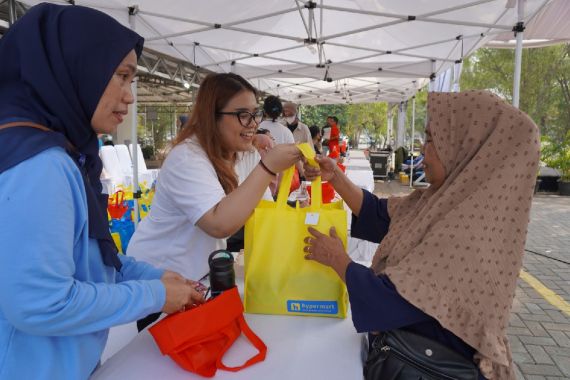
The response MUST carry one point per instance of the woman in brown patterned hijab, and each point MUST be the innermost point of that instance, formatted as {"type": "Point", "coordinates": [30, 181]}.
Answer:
{"type": "Point", "coordinates": [453, 251]}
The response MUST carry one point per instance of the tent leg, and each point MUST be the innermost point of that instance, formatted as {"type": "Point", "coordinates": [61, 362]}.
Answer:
{"type": "Point", "coordinates": [389, 125]}
{"type": "Point", "coordinates": [412, 146]}
{"type": "Point", "coordinates": [134, 137]}
{"type": "Point", "coordinates": [12, 16]}
{"type": "Point", "coordinates": [518, 55]}
{"type": "Point", "coordinates": [134, 154]}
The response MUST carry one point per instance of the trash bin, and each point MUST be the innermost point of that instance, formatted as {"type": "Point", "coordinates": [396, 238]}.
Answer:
{"type": "Point", "coordinates": [379, 164]}
{"type": "Point", "coordinates": [549, 179]}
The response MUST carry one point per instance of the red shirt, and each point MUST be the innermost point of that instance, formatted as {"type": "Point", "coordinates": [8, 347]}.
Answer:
{"type": "Point", "coordinates": [333, 140]}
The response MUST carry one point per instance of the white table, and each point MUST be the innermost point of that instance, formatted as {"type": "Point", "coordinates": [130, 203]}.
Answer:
{"type": "Point", "coordinates": [297, 348]}
{"type": "Point", "coordinates": [358, 170]}
{"type": "Point", "coordinates": [362, 178]}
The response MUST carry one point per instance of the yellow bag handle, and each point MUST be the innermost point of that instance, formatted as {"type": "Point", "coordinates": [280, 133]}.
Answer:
{"type": "Point", "coordinates": [285, 185]}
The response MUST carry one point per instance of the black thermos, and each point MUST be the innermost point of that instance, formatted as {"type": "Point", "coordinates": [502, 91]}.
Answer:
{"type": "Point", "coordinates": [222, 275]}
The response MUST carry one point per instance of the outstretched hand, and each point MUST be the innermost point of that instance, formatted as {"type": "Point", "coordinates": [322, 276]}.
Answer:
{"type": "Point", "coordinates": [326, 169]}
{"type": "Point", "coordinates": [327, 250]}
{"type": "Point", "coordinates": [281, 157]}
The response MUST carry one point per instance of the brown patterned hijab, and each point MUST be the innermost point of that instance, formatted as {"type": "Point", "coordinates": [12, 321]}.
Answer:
{"type": "Point", "coordinates": [456, 252]}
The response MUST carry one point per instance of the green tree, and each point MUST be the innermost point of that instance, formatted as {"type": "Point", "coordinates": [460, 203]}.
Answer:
{"type": "Point", "coordinates": [367, 118]}
{"type": "Point", "coordinates": [354, 119]}
{"type": "Point", "coordinates": [545, 92]}
{"type": "Point", "coordinates": [157, 126]}
{"type": "Point", "coordinates": [545, 79]}
{"type": "Point", "coordinates": [556, 154]}
{"type": "Point", "coordinates": [317, 115]}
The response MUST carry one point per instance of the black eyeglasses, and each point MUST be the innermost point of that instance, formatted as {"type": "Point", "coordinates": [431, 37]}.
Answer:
{"type": "Point", "coordinates": [245, 117]}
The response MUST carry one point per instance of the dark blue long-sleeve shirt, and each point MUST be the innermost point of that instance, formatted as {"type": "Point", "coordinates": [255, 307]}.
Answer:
{"type": "Point", "coordinates": [375, 302]}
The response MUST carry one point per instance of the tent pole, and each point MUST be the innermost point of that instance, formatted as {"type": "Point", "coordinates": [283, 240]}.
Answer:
{"type": "Point", "coordinates": [134, 140]}
{"type": "Point", "coordinates": [12, 16]}
{"type": "Point", "coordinates": [518, 54]}
{"type": "Point", "coordinates": [401, 133]}
{"type": "Point", "coordinates": [134, 154]}
{"type": "Point", "coordinates": [431, 87]}
{"type": "Point", "coordinates": [391, 52]}
{"type": "Point", "coordinates": [389, 122]}
{"type": "Point", "coordinates": [307, 26]}
{"type": "Point", "coordinates": [412, 146]}
{"type": "Point", "coordinates": [321, 20]}
{"type": "Point", "coordinates": [173, 125]}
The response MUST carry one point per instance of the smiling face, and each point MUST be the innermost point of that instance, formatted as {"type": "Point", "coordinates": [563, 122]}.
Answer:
{"type": "Point", "coordinates": [433, 167]}
{"type": "Point", "coordinates": [113, 105]}
{"type": "Point", "coordinates": [237, 138]}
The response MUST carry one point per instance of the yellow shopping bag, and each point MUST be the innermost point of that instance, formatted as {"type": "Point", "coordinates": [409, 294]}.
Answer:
{"type": "Point", "coordinates": [278, 278]}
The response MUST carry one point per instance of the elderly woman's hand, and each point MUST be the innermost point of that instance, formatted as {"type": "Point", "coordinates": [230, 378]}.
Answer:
{"type": "Point", "coordinates": [327, 250]}
{"type": "Point", "coordinates": [327, 169]}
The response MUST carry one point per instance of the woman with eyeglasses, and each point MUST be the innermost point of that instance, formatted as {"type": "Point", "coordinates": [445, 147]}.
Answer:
{"type": "Point", "coordinates": [211, 180]}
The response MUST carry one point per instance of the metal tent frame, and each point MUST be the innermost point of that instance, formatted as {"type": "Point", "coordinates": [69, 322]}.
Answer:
{"type": "Point", "coordinates": [316, 52]}
{"type": "Point", "coordinates": [324, 51]}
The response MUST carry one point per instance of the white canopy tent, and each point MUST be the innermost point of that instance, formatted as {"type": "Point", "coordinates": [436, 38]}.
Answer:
{"type": "Point", "coordinates": [331, 51]}
{"type": "Point", "coordinates": [324, 51]}
{"type": "Point", "coordinates": [548, 27]}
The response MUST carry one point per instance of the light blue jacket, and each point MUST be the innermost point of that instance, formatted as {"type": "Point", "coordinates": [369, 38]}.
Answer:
{"type": "Point", "coordinates": [57, 298]}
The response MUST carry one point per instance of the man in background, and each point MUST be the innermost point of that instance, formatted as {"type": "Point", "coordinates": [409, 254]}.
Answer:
{"type": "Point", "coordinates": [333, 139]}
{"type": "Point", "coordinates": [301, 132]}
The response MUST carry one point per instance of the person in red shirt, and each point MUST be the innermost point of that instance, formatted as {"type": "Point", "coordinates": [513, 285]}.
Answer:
{"type": "Point", "coordinates": [343, 148]}
{"type": "Point", "coordinates": [332, 121]}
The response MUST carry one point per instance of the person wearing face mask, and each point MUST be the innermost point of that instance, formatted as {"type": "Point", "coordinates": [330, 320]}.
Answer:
{"type": "Point", "coordinates": [211, 180]}
{"type": "Point", "coordinates": [447, 266]}
{"type": "Point", "coordinates": [273, 109]}
{"type": "Point", "coordinates": [301, 132]}
{"type": "Point", "coordinates": [65, 76]}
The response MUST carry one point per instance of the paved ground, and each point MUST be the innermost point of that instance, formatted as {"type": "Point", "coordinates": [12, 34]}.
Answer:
{"type": "Point", "coordinates": [539, 331]}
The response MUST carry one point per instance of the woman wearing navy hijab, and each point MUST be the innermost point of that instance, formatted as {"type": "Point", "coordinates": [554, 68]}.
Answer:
{"type": "Point", "coordinates": [65, 75]}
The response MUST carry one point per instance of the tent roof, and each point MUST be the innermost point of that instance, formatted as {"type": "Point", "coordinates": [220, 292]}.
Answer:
{"type": "Point", "coordinates": [327, 51]}
{"type": "Point", "coordinates": [549, 26]}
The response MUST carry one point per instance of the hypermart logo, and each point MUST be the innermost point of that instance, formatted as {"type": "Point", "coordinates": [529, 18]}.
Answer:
{"type": "Point", "coordinates": [312, 307]}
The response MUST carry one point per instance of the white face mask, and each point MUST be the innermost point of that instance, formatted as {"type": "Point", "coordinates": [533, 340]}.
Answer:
{"type": "Point", "coordinates": [290, 119]}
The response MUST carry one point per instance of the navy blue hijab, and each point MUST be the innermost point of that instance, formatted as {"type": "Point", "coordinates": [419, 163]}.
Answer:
{"type": "Point", "coordinates": [55, 63]}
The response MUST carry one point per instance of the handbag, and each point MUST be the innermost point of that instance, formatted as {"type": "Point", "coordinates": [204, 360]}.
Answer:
{"type": "Point", "coordinates": [278, 278]}
{"type": "Point", "coordinates": [403, 355]}
{"type": "Point", "coordinates": [197, 339]}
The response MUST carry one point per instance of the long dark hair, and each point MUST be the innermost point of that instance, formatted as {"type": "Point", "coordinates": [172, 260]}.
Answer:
{"type": "Point", "coordinates": [215, 92]}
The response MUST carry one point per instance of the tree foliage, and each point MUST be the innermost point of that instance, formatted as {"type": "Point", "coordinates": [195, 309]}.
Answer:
{"type": "Point", "coordinates": [367, 119]}
{"type": "Point", "coordinates": [317, 115]}
{"type": "Point", "coordinates": [157, 126]}
{"type": "Point", "coordinates": [545, 80]}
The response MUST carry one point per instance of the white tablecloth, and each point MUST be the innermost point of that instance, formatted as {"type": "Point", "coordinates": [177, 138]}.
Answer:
{"type": "Point", "coordinates": [361, 178]}
{"type": "Point", "coordinates": [297, 348]}
{"type": "Point", "coordinates": [358, 170]}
